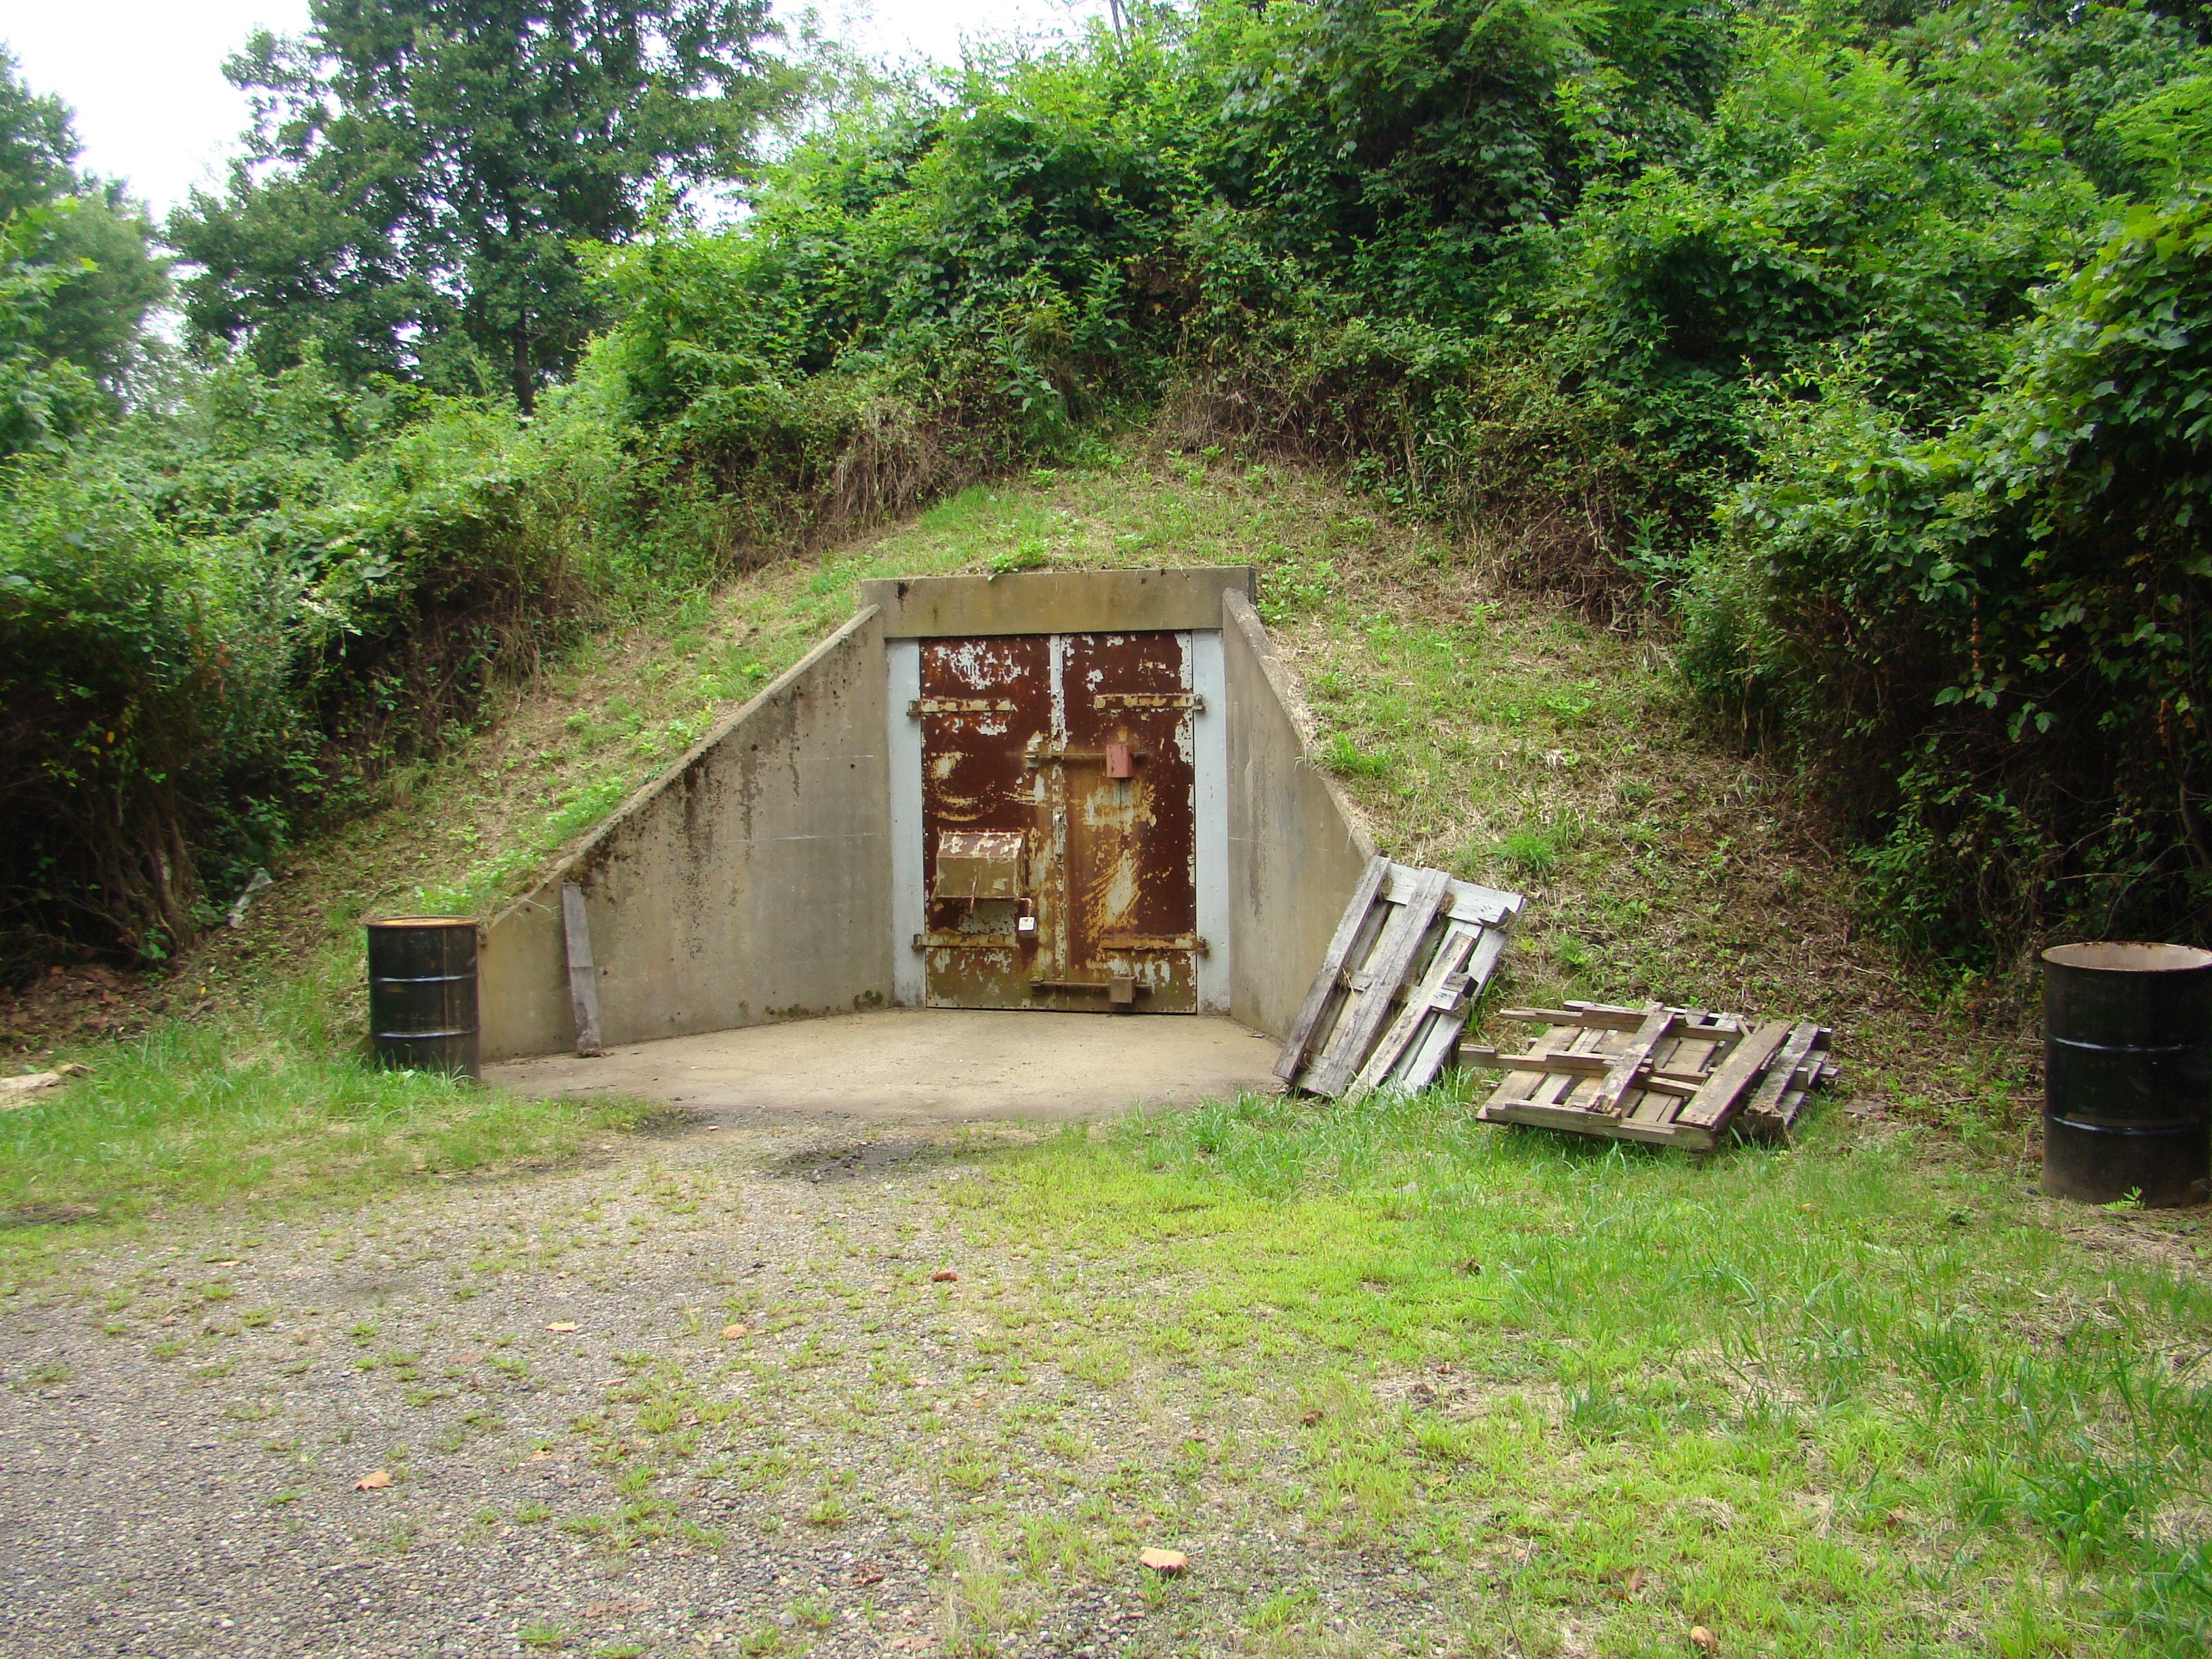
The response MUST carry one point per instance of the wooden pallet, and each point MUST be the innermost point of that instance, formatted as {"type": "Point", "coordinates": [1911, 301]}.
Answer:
{"type": "Point", "coordinates": [1413, 949]}
{"type": "Point", "coordinates": [1672, 1077]}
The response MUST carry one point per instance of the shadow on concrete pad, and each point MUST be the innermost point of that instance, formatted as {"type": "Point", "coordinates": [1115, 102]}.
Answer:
{"type": "Point", "coordinates": [923, 1066]}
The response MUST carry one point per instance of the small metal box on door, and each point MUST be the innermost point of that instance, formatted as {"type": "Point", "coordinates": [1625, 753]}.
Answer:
{"type": "Point", "coordinates": [1058, 822]}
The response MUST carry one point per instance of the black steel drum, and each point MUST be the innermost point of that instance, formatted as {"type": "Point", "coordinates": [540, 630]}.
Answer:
{"type": "Point", "coordinates": [2127, 1047]}
{"type": "Point", "coordinates": [422, 994]}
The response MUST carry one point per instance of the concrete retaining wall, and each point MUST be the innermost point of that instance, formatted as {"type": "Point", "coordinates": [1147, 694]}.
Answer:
{"type": "Point", "coordinates": [753, 882]}
{"type": "Point", "coordinates": [749, 883]}
{"type": "Point", "coordinates": [1295, 851]}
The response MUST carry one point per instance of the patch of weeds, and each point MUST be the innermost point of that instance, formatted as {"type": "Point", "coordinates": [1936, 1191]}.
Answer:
{"type": "Point", "coordinates": [2168, 1601]}
{"type": "Point", "coordinates": [1533, 850]}
{"type": "Point", "coordinates": [175, 1117]}
{"type": "Point", "coordinates": [1348, 760]}
{"type": "Point", "coordinates": [970, 1469]}
{"type": "Point", "coordinates": [2086, 1505]}
{"type": "Point", "coordinates": [1030, 553]}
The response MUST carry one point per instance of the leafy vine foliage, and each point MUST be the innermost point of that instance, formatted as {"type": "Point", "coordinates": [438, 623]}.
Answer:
{"type": "Point", "coordinates": [1861, 340]}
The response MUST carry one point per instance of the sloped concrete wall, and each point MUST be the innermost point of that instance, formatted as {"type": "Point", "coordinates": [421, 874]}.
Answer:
{"type": "Point", "coordinates": [751, 882]}
{"type": "Point", "coordinates": [1295, 851]}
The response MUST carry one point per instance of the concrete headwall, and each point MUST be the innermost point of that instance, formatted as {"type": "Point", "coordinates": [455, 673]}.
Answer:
{"type": "Point", "coordinates": [1055, 601]}
{"type": "Point", "coordinates": [1295, 853]}
{"type": "Point", "coordinates": [749, 882]}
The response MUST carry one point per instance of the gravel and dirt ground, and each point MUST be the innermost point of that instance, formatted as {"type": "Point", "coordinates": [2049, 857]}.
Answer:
{"type": "Point", "coordinates": [738, 1388]}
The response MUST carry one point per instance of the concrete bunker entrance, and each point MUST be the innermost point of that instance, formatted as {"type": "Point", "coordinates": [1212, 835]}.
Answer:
{"type": "Point", "coordinates": [1059, 792]}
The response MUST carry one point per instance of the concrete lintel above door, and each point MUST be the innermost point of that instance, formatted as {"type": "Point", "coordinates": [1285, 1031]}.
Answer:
{"type": "Point", "coordinates": [1056, 602]}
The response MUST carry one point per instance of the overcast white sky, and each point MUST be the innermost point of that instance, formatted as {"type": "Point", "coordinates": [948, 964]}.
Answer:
{"type": "Point", "coordinates": [145, 76]}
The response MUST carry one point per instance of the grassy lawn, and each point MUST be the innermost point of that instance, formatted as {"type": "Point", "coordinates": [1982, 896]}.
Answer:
{"type": "Point", "coordinates": [1399, 1381]}
{"type": "Point", "coordinates": [1862, 1396]}
{"type": "Point", "coordinates": [264, 1099]}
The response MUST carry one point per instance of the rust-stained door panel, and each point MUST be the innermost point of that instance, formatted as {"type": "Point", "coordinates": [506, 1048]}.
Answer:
{"type": "Point", "coordinates": [1081, 746]}
{"type": "Point", "coordinates": [1132, 884]}
{"type": "Point", "coordinates": [983, 702]}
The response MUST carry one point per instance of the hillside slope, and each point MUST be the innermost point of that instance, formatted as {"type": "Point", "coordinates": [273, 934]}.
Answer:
{"type": "Point", "coordinates": [1479, 728]}
{"type": "Point", "coordinates": [1485, 729]}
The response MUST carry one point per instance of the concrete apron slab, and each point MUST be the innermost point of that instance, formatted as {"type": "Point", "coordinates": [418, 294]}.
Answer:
{"type": "Point", "coordinates": [923, 1065]}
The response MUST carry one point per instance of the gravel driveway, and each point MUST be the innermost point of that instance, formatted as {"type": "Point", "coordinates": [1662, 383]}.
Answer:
{"type": "Point", "coordinates": [720, 1392]}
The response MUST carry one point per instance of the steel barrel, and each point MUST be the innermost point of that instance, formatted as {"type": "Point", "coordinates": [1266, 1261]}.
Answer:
{"type": "Point", "coordinates": [422, 994]}
{"type": "Point", "coordinates": [2127, 1104]}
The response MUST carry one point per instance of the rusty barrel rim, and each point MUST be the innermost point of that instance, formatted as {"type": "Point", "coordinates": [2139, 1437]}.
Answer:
{"type": "Point", "coordinates": [2127, 956]}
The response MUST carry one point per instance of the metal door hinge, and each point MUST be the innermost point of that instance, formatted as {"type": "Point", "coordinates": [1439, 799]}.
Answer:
{"type": "Point", "coordinates": [1141, 700]}
{"type": "Point", "coordinates": [1140, 944]}
{"type": "Point", "coordinates": [921, 706]}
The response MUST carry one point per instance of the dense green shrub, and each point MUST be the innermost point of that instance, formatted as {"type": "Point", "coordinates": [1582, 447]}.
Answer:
{"type": "Point", "coordinates": [1735, 311]}
{"type": "Point", "coordinates": [223, 620]}
{"type": "Point", "coordinates": [1991, 635]}
{"type": "Point", "coordinates": [136, 671]}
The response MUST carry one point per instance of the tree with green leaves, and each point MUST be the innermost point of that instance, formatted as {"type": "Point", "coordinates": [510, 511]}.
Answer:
{"type": "Point", "coordinates": [419, 171]}
{"type": "Point", "coordinates": [78, 273]}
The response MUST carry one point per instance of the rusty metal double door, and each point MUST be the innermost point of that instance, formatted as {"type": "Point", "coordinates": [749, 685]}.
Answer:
{"type": "Point", "coordinates": [1058, 822]}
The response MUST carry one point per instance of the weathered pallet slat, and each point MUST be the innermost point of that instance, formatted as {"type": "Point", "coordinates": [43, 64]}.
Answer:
{"type": "Point", "coordinates": [1413, 950]}
{"type": "Point", "coordinates": [1774, 1105]}
{"type": "Point", "coordinates": [1372, 990]}
{"type": "Point", "coordinates": [1733, 1078]}
{"type": "Point", "coordinates": [1442, 989]}
{"type": "Point", "coordinates": [1326, 995]}
{"type": "Point", "coordinates": [1675, 1077]}
{"type": "Point", "coordinates": [1635, 1054]}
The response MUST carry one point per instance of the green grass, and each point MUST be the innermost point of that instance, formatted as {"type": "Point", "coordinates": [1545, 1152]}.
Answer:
{"type": "Point", "coordinates": [1849, 1399]}
{"type": "Point", "coordinates": [263, 1101]}
{"type": "Point", "coordinates": [1870, 1396]}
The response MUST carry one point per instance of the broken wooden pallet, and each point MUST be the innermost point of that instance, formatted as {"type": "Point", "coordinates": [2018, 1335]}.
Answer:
{"type": "Point", "coordinates": [1673, 1076]}
{"type": "Point", "coordinates": [1413, 949]}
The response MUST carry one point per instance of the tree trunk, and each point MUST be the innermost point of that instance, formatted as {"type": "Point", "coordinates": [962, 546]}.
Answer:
{"type": "Point", "coordinates": [525, 383]}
